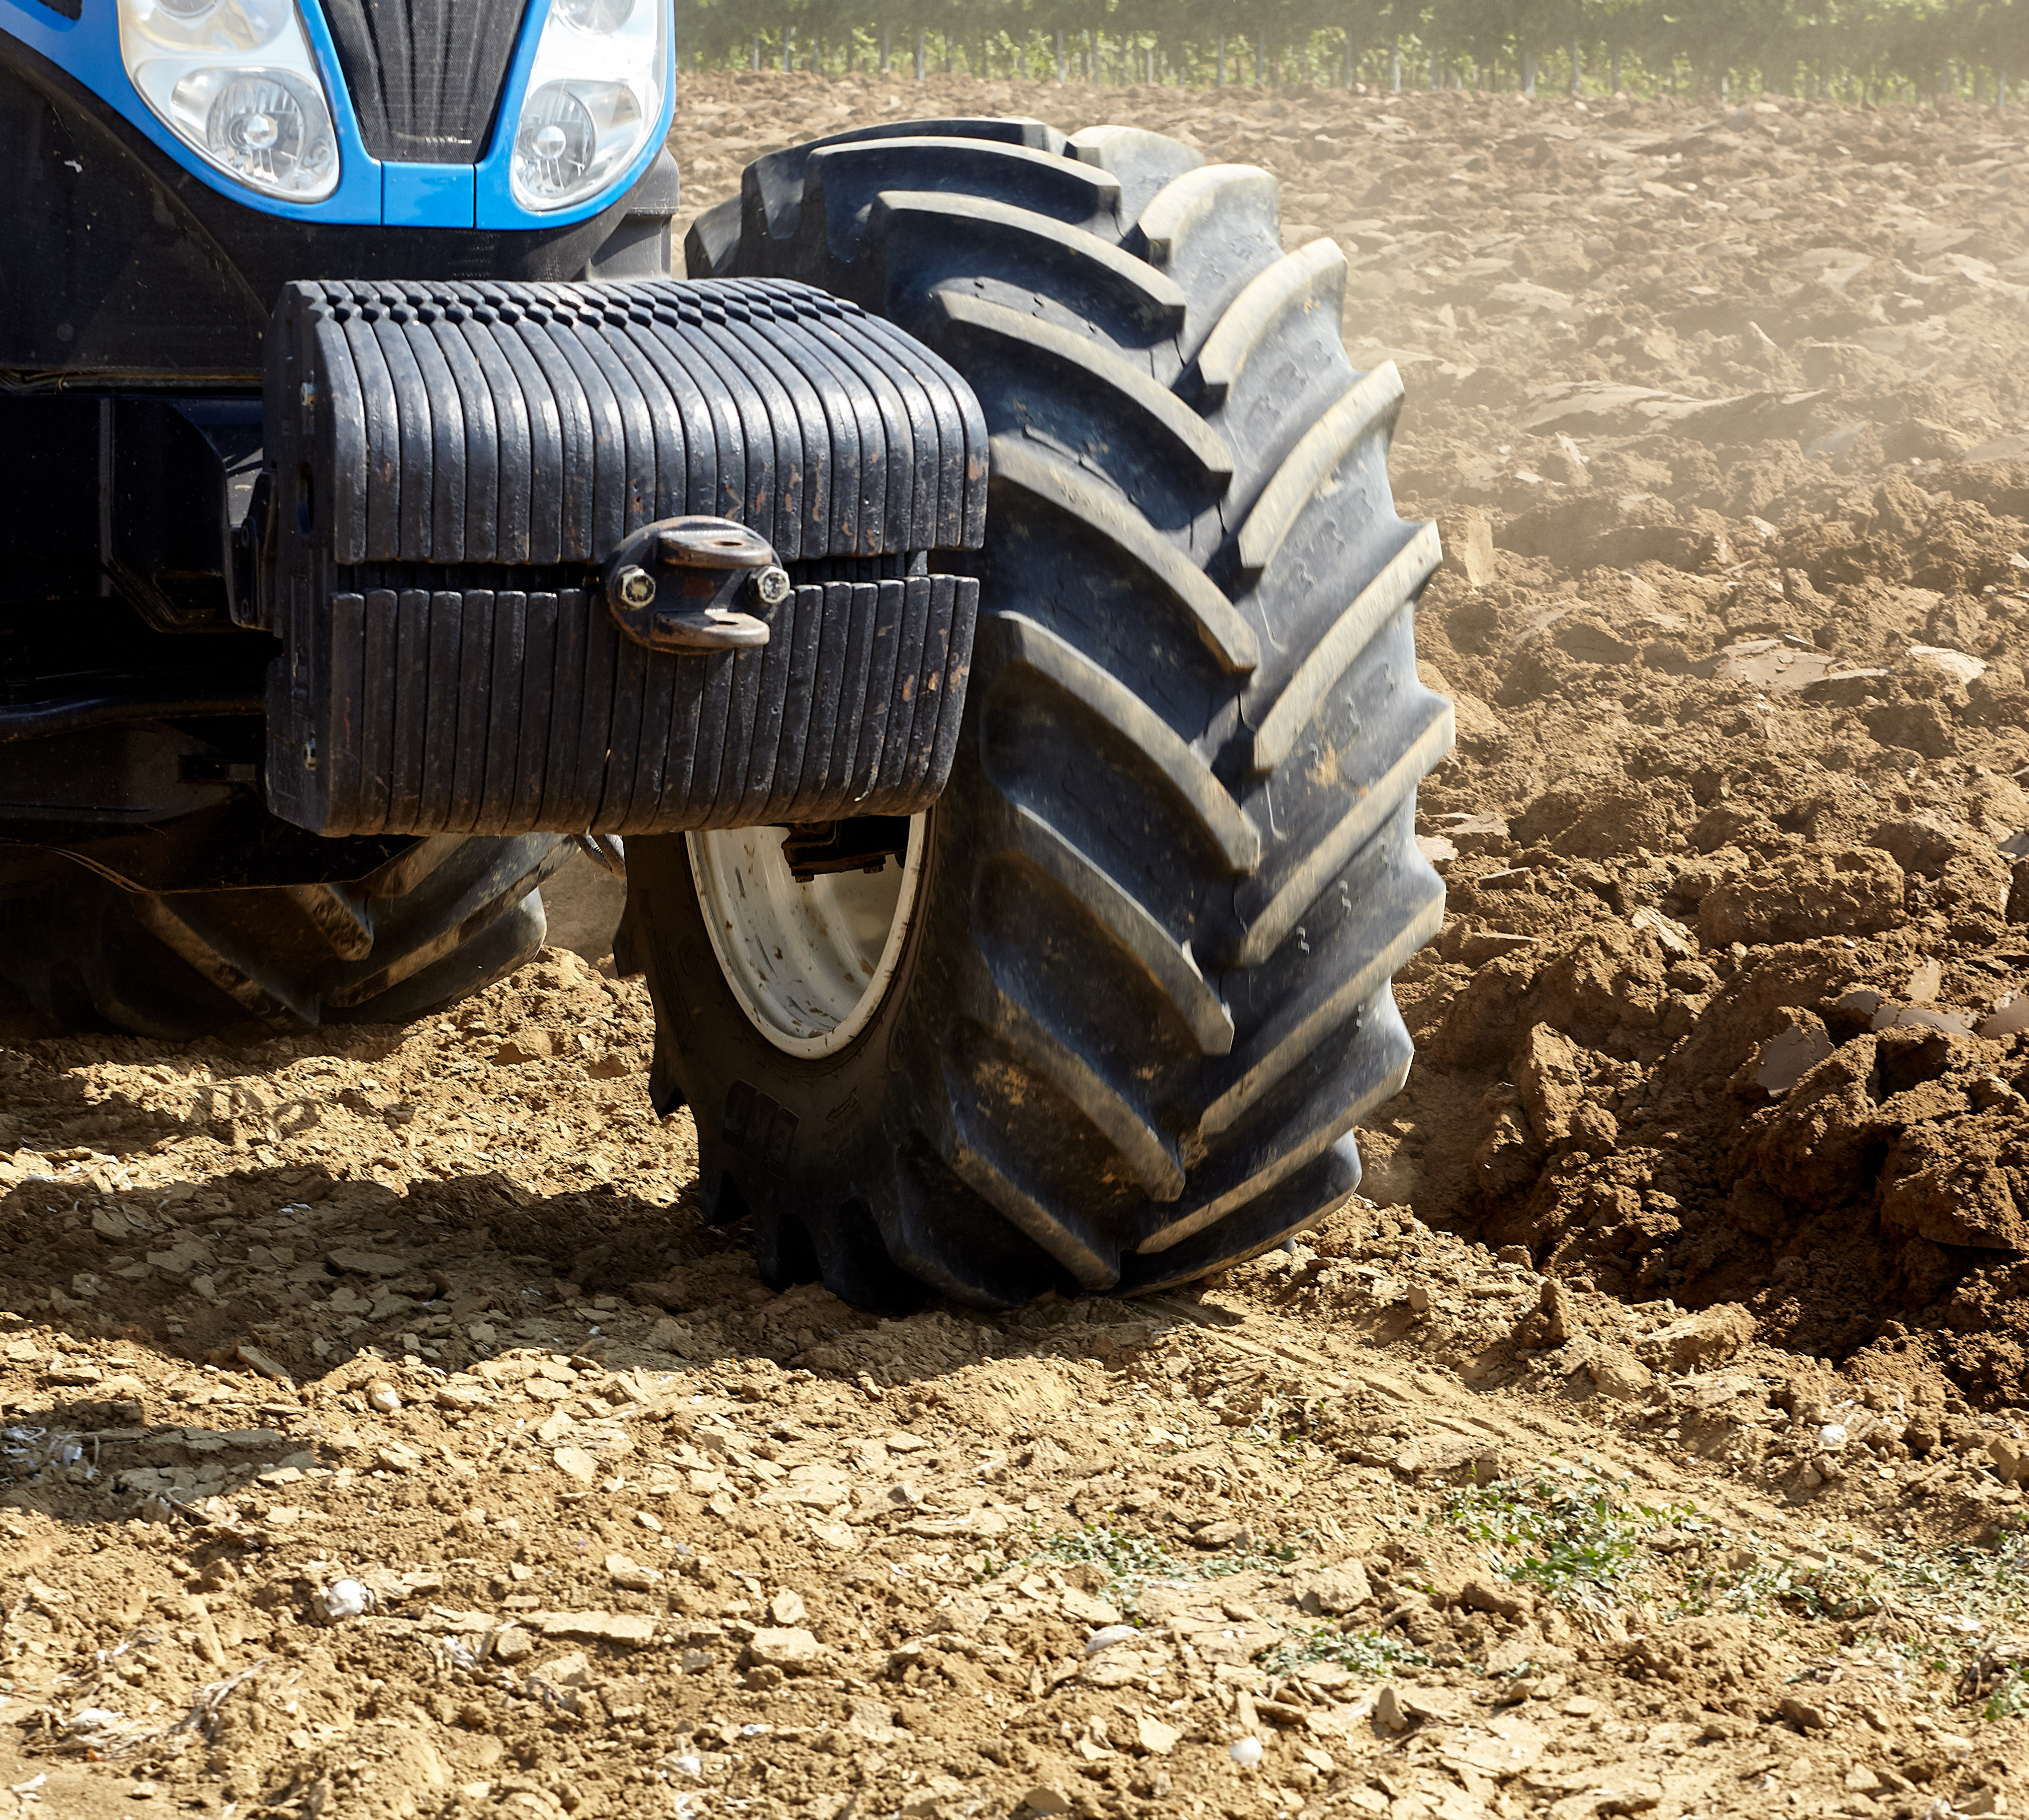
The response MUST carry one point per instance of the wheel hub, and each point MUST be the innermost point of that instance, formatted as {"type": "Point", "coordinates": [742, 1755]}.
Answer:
{"type": "Point", "coordinates": [809, 960]}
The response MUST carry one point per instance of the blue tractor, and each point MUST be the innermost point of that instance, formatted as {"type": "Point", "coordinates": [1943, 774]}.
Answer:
{"type": "Point", "coordinates": [970, 600]}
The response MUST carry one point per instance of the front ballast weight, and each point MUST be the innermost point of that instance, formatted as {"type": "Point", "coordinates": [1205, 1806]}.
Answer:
{"type": "Point", "coordinates": [624, 558]}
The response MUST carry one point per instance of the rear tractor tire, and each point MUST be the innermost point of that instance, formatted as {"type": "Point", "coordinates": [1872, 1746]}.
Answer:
{"type": "Point", "coordinates": [443, 917]}
{"type": "Point", "coordinates": [1104, 1017]}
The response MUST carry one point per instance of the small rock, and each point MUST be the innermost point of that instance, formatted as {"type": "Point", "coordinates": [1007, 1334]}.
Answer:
{"type": "Point", "coordinates": [1087, 1607]}
{"type": "Point", "coordinates": [1420, 1299]}
{"type": "Point", "coordinates": [253, 1357]}
{"type": "Point", "coordinates": [1157, 1738]}
{"type": "Point", "coordinates": [1043, 1799]}
{"type": "Point", "coordinates": [1224, 1535]}
{"type": "Point", "coordinates": [575, 1463]}
{"type": "Point", "coordinates": [1398, 1706]}
{"type": "Point", "coordinates": [530, 1045]}
{"type": "Point", "coordinates": [1337, 1590]}
{"type": "Point", "coordinates": [1698, 1341]}
{"type": "Point", "coordinates": [628, 1573]}
{"type": "Point", "coordinates": [2010, 1457]}
{"type": "Point", "coordinates": [1832, 1437]}
{"type": "Point", "coordinates": [873, 1721]}
{"type": "Point", "coordinates": [1246, 1752]}
{"type": "Point", "coordinates": [513, 1644]}
{"type": "Point", "coordinates": [786, 1608]}
{"type": "Point", "coordinates": [1619, 1374]}
{"type": "Point", "coordinates": [1562, 1322]}
{"type": "Point", "coordinates": [1788, 1056]}
{"type": "Point", "coordinates": [382, 1395]}
{"type": "Point", "coordinates": [1467, 541]}
{"type": "Point", "coordinates": [632, 1628]}
{"type": "Point", "coordinates": [932, 1797]}
{"type": "Point", "coordinates": [1452, 1457]}
{"type": "Point", "coordinates": [1958, 666]}
{"type": "Point", "coordinates": [369, 1263]}
{"type": "Point", "coordinates": [573, 1669]}
{"type": "Point", "coordinates": [344, 1599]}
{"type": "Point", "coordinates": [1802, 1714]}
{"type": "Point", "coordinates": [649, 1520]}
{"type": "Point", "coordinates": [1670, 935]}
{"type": "Point", "coordinates": [1502, 1597]}
{"type": "Point", "coordinates": [1109, 1634]}
{"type": "Point", "coordinates": [790, 1649]}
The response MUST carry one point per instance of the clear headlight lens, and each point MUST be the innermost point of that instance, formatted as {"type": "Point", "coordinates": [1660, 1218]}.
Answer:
{"type": "Point", "coordinates": [593, 93]}
{"type": "Point", "coordinates": [599, 16]}
{"type": "Point", "coordinates": [234, 80]}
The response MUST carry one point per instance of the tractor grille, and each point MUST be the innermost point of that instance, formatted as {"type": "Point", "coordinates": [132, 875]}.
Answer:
{"type": "Point", "coordinates": [425, 76]}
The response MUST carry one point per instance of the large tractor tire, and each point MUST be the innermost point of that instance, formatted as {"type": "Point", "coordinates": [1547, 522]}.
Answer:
{"type": "Point", "coordinates": [1106, 1021]}
{"type": "Point", "coordinates": [446, 916]}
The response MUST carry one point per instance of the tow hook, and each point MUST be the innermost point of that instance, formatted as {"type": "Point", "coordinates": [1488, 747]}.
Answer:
{"type": "Point", "coordinates": [683, 584]}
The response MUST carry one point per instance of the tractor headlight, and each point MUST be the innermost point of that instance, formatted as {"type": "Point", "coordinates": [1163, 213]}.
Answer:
{"type": "Point", "coordinates": [594, 93]}
{"type": "Point", "coordinates": [235, 80]}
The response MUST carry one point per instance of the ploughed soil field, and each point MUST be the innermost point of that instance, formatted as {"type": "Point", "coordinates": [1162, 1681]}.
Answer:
{"type": "Point", "coordinates": [385, 1434]}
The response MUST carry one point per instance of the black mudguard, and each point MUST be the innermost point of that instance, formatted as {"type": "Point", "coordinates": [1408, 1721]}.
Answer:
{"type": "Point", "coordinates": [450, 465]}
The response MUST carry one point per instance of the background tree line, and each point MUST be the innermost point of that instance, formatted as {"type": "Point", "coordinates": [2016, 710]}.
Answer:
{"type": "Point", "coordinates": [1852, 51]}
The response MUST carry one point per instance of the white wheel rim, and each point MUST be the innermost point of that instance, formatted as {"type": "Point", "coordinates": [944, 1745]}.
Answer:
{"type": "Point", "coordinates": [809, 963]}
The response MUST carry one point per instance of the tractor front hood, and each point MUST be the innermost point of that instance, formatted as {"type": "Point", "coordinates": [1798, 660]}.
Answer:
{"type": "Point", "coordinates": [497, 115]}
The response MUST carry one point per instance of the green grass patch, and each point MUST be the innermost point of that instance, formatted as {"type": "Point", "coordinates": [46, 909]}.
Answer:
{"type": "Point", "coordinates": [1363, 1651]}
{"type": "Point", "coordinates": [1955, 1587]}
{"type": "Point", "coordinates": [1252, 1556]}
{"type": "Point", "coordinates": [1132, 1563]}
{"type": "Point", "coordinates": [1567, 1533]}
{"type": "Point", "coordinates": [1938, 1608]}
{"type": "Point", "coordinates": [2010, 1700]}
{"type": "Point", "coordinates": [1129, 1562]}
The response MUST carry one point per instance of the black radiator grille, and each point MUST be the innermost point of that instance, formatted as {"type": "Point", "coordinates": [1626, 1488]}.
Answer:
{"type": "Point", "coordinates": [425, 76]}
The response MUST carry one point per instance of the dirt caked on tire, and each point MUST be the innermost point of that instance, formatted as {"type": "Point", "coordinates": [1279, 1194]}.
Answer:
{"type": "Point", "coordinates": [441, 917]}
{"type": "Point", "coordinates": [1108, 1022]}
